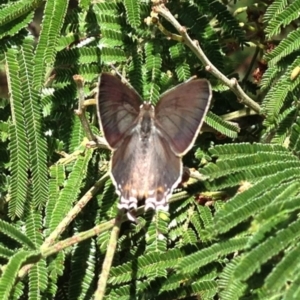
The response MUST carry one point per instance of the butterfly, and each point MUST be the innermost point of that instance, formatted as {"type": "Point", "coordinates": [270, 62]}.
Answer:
{"type": "Point", "coordinates": [148, 142]}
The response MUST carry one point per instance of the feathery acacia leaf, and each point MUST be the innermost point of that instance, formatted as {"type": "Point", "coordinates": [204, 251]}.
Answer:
{"type": "Point", "coordinates": [19, 145]}
{"type": "Point", "coordinates": [133, 12]}
{"type": "Point", "coordinates": [54, 14]}
{"type": "Point", "coordinates": [283, 17]}
{"type": "Point", "coordinates": [240, 206]}
{"type": "Point", "coordinates": [11, 272]}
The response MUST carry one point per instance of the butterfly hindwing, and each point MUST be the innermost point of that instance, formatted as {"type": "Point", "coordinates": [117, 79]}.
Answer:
{"type": "Point", "coordinates": [148, 171]}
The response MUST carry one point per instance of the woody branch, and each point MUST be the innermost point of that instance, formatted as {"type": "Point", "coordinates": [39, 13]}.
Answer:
{"type": "Point", "coordinates": [195, 47]}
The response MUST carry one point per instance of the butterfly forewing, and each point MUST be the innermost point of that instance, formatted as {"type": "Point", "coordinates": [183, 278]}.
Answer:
{"type": "Point", "coordinates": [118, 107]}
{"type": "Point", "coordinates": [181, 111]}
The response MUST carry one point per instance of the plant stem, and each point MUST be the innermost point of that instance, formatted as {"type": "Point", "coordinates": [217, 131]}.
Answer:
{"type": "Point", "coordinates": [195, 47]}
{"type": "Point", "coordinates": [74, 212]}
{"type": "Point", "coordinates": [110, 252]}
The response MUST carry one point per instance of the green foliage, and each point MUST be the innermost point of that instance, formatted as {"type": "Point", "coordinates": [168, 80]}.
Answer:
{"type": "Point", "coordinates": [133, 13]}
{"type": "Point", "coordinates": [232, 231]}
{"type": "Point", "coordinates": [283, 14]}
{"type": "Point", "coordinates": [19, 146]}
{"type": "Point", "coordinates": [223, 127]}
{"type": "Point", "coordinates": [10, 273]}
{"type": "Point", "coordinates": [278, 81]}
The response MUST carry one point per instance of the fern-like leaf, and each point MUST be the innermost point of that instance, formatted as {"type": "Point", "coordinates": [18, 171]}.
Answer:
{"type": "Point", "coordinates": [133, 12]}
{"type": "Point", "coordinates": [276, 281]}
{"type": "Point", "coordinates": [72, 187]}
{"type": "Point", "coordinates": [283, 17]}
{"type": "Point", "coordinates": [222, 126]}
{"type": "Point", "coordinates": [19, 142]}
{"type": "Point", "coordinates": [45, 52]}
{"type": "Point", "coordinates": [194, 261]}
{"type": "Point", "coordinates": [252, 261]}
{"type": "Point", "coordinates": [285, 47]}
{"type": "Point", "coordinates": [10, 274]}
{"type": "Point", "coordinates": [227, 21]}
{"type": "Point", "coordinates": [38, 280]}
{"type": "Point", "coordinates": [16, 9]}
{"type": "Point", "coordinates": [15, 234]}
{"type": "Point", "coordinates": [37, 142]}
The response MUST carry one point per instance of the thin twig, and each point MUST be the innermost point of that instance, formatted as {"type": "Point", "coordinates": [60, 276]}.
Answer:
{"type": "Point", "coordinates": [74, 212]}
{"type": "Point", "coordinates": [239, 114]}
{"type": "Point", "coordinates": [47, 250]}
{"type": "Point", "coordinates": [81, 108]}
{"type": "Point", "coordinates": [95, 141]}
{"type": "Point", "coordinates": [195, 47]}
{"type": "Point", "coordinates": [110, 252]}
{"type": "Point", "coordinates": [61, 245]}
{"type": "Point", "coordinates": [253, 61]}
{"type": "Point", "coordinates": [50, 250]}
{"type": "Point", "coordinates": [77, 238]}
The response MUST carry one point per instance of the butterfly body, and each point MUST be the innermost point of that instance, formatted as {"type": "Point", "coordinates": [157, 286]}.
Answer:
{"type": "Point", "coordinates": [148, 142]}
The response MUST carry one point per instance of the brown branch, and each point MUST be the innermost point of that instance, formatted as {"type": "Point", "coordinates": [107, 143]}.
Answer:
{"type": "Point", "coordinates": [109, 256]}
{"type": "Point", "coordinates": [195, 47]}
{"type": "Point", "coordinates": [94, 141]}
{"type": "Point", "coordinates": [74, 212]}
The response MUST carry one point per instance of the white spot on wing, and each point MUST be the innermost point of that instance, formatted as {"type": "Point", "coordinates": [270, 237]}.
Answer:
{"type": "Point", "coordinates": [131, 217]}
{"type": "Point", "coordinates": [122, 206]}
{"type": "Point", "coordinates": [163, 207]}
{"type": "Point", "coordinates": [151, 192]}
{"type": "Point", "coordinates": [124, 201]}
{"type": "Point", "coordinates": [132, 203]}
{"type": "Point", "coordinates": [149, 205]}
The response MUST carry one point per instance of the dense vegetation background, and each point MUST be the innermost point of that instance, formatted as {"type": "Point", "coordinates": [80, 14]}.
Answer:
{"type": "Point", "coordinates": [233, 228]}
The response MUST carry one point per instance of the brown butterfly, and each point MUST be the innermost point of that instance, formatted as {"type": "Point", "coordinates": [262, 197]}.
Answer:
{"type": "Point", "coordinates": [148, 142]}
